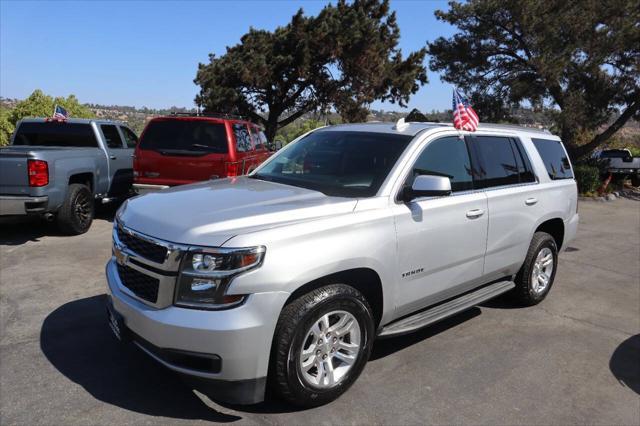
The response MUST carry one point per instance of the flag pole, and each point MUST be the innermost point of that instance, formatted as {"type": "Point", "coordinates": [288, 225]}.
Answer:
{"type": "Point", "coordinates": [456, 101]}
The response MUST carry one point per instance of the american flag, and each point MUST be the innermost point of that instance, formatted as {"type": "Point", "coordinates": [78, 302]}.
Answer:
{"type": "Point", "coordinates": [59, 112]}
{"type": "Point", "coordinates": [464, 117]}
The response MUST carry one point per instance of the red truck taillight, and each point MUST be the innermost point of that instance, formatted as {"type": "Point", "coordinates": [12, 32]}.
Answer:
{"type": "Point", "coordinates": [136, 167]}
{"type": "Point", "coordinates": [38, 172]}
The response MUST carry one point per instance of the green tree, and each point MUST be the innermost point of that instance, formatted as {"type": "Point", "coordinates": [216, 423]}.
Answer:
{"type": "Point", "coordinates": [6, 126]}
{"type": "Point", "coordinates": [345, 57]}
{"type": "Point", "coordinates": [298, 128]}
{"type": "Point", "coordinates": [582, 57]}
{"type": "Point", "coordinates": [364, 39]}
{"type": "Point", "coordinates": [40, 105]}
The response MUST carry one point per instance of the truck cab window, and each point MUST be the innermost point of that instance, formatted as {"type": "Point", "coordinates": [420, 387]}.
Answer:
{"type": "Point", "coordinates": [111, 136]}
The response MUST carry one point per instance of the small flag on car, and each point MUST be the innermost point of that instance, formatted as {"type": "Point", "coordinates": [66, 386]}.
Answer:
{"type": "Point", "coordinates": [59, 112]}
{"type": "Point", "coordinates": [464, 117]}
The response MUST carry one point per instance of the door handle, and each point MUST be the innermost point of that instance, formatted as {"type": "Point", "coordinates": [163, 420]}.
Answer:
{"type": "Point", "coordinates": [472, 214]}
{"type": "Point", "coordinates": [530, 201]}
{"type": "Point", "coordinates": [113, 157]}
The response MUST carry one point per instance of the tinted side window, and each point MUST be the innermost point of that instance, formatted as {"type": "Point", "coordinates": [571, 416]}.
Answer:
{"type": "Point", "coordinates": [446, 157]}
{"type": "Point", "coordinates": [129, 137]}
{"type": "Point", "coordinates": [243, 139]}
{"type": "Point", "coordinates": [497, 161]}
{"type": "Point", "coordinates": [524, 166]}
{"type": "Point", "coordinates": [554, 158]}
{"type": "Point", "coordinates": [257, 139]}
{"type": "Point", "coordinates": [111, 136]}
{"type": "Point", "coordinates": [263, 139]}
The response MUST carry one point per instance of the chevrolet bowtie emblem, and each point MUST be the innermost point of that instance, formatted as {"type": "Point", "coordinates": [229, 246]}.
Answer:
{"type": "Point", "coordinates": [121, 257]}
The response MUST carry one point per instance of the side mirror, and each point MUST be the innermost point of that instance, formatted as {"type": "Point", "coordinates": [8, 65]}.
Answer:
{"type": "Point", "coordinates": [428, 186]}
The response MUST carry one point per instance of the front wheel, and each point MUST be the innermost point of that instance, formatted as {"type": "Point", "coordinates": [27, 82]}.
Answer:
{"type": "Point", "coordinates": [323, 340]}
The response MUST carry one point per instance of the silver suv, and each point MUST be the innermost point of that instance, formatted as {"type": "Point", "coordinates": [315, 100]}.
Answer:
{"type": "Point", "coordinates": [348, 234]}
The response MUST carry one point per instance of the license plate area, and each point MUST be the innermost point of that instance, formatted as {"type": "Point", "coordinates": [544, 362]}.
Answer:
{"type": "Point", "coordinates": [116, 323]}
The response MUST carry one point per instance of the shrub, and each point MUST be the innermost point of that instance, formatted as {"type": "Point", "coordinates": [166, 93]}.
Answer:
{"type": "Point", "coordinates": [587, 177]}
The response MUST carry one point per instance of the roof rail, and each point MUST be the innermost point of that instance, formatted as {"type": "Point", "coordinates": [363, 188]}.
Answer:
{"type": "Point", "coordinates": [209, 114]}
{"type": "Point", "coordinates": [513, 127]}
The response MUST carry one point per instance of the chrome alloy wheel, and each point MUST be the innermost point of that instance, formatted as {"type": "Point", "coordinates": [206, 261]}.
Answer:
{"type": "Point", "coordinates": [330, 349]}
{"type": "Point", "coordinates": [542, 270]}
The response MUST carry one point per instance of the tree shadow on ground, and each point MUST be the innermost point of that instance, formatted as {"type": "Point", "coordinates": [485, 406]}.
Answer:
{"type": "Point", "coordinates": [76, 339]}
{"type": "Point", "coordinates": [625, 363]}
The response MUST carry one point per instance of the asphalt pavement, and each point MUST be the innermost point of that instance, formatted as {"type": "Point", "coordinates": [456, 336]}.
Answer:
{"type": "Point", "coordinates": [574, 359]}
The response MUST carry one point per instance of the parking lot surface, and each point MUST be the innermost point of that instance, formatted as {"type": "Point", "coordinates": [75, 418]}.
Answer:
{"type": "Point", "coordinates": [573, 359]}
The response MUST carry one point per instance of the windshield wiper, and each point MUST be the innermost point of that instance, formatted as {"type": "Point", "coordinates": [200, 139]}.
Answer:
{"type": "Point", "coordinates": [206, 147]}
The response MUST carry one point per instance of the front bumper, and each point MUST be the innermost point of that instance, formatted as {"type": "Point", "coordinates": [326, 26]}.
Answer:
{"type": "Point", "coordinates": [240, 337]}
{"type": "Point", "coordinates": [144, 188]}
{"type": "Point", "coordinates": [11, 205]}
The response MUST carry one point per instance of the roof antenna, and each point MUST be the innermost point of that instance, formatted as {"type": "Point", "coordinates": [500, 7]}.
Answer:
{"type": "Point", "coordinates": [400, 125]}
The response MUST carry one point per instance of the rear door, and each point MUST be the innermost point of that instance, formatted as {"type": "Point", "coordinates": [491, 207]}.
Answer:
{"type": "Point", "coordinates": [504, 172]}
{"type": "Point", "coordinates": [120, 161]}
{"type": "Point", "coordinates": [177, 151]}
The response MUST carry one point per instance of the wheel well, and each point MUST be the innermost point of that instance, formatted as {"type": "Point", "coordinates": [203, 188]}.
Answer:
{"type": "Point", "coordinates": [365, 280]}
{"type": "Point", "coordinates": [82, 178]}
{"type": "Point", "coordinates": [555, 228]}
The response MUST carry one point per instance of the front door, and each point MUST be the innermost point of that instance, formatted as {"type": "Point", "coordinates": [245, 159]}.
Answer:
{"type": "Point", "coordinates": [441, 240]}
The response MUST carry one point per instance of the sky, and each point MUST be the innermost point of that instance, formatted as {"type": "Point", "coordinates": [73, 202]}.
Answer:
{"type": "Point", "coordinates": [146, 53]}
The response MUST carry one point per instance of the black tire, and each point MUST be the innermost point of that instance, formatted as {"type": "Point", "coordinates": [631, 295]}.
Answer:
{"type": "Point", "coordinates": [635, 180]}
{"type": "Point", "coordinates": [295, 321]}
{"type": "Point", "coordinates": [77, 211]}
{"type": "Point", "coordinates": [525, 292]}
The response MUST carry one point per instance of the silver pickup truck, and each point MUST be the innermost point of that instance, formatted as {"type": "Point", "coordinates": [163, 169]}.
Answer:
{"type": "Point", "coordinates": [621, 163]}
{"type": "Point", "coordinates": [57, 168]}
{"type": "Point", "coordinates": [351, 233]}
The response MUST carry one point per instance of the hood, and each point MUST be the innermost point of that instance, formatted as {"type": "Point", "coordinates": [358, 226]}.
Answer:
{"type": "Point", "coordinates": [209, 213]}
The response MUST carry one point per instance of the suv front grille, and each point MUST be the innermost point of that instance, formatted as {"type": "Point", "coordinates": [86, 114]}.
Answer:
{"type": "Point", "coordinates": [146, 249]}
{"type": "Point", "coordinates": [143, 286]}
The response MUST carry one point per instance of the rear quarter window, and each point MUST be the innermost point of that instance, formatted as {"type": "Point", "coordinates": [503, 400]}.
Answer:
{"type": "Point", "coordinates": [56, 133]}
{"type": "Point", "coordinates": [554, 158]}
{"type": "Point", "coordinates": [243, 138]}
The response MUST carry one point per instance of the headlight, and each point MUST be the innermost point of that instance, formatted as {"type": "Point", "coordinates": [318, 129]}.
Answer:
{"type": "Point", "coordinates": [205, 275]}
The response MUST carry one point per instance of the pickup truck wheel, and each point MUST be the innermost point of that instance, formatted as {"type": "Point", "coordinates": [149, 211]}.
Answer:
{"type": "Point", "coordinates": [635, 180]}
{"type": "Point", "coordinates": [76, 214]}
{"type": "Point", "coordinates": [535, 278]}
{"type": "Point", "coordinates": [322, 342]}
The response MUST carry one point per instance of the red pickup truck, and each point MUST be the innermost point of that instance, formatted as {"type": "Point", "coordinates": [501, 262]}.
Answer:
{"type": "Point", "coordinates": [180, 149]}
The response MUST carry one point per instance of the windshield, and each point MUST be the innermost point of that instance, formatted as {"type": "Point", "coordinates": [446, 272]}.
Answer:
{"type": "Point", "coordinates": [614, 153]}
{"type": "Point", "coordinates": [343, 164]}
{"type": "Point", "coordinates": [55, 133]}
{"type": "Point", "coordinates": [185, 137]}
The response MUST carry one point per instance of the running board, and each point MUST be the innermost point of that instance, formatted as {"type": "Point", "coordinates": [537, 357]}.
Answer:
{"type": "Point", "coordinates": [447, 309]}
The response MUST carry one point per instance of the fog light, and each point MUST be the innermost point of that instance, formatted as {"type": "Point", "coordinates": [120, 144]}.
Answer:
{"type": "Point", "coordinates": [203, 285]}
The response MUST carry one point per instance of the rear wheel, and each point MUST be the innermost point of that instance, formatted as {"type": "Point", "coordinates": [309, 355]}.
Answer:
{"type": "Point", "coordinates": [322, 343]}
{"type": "Point", "coordinates": [535, 278]}
{"type": "Point", "coordinates": [76, 214]}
